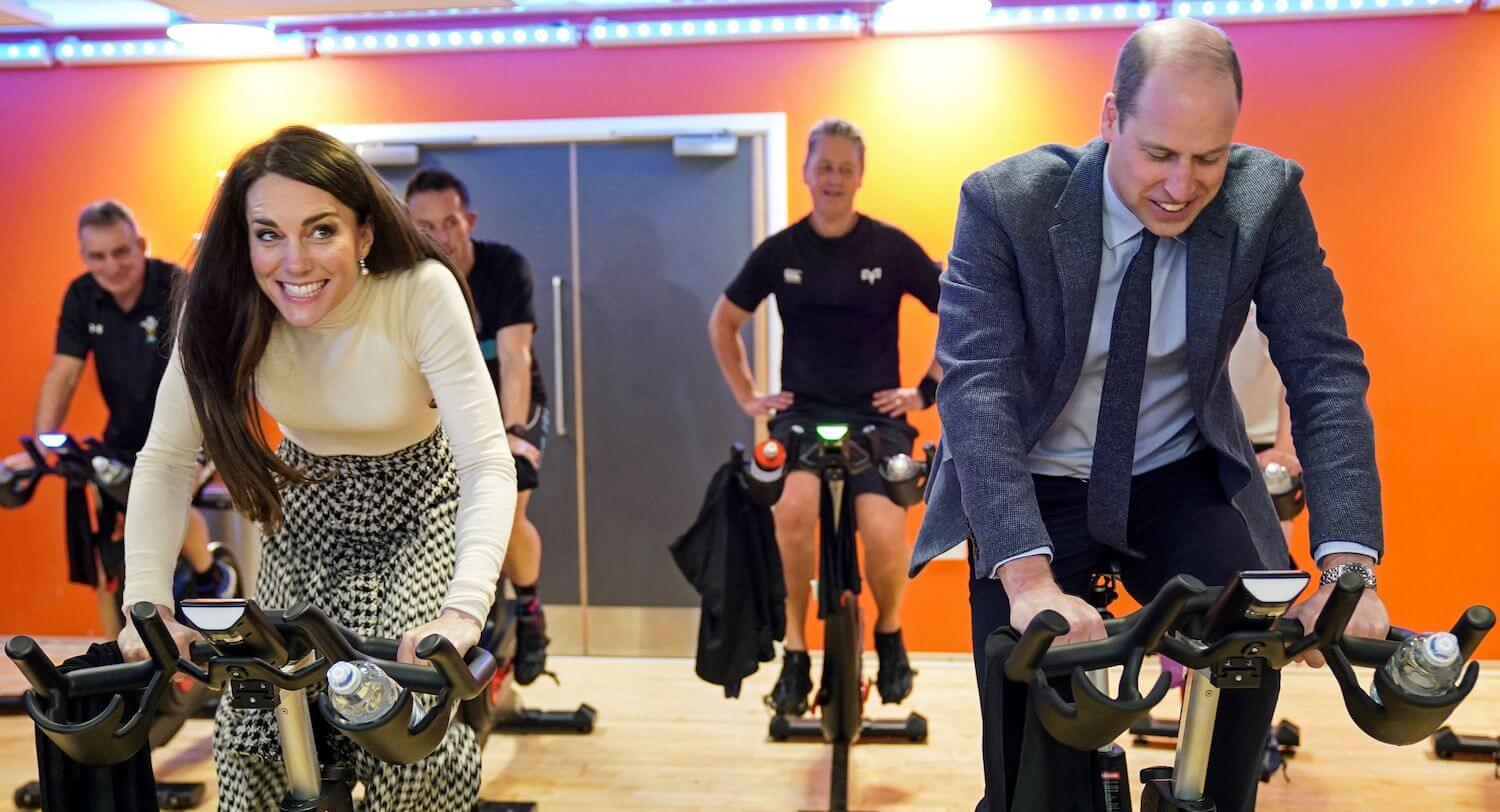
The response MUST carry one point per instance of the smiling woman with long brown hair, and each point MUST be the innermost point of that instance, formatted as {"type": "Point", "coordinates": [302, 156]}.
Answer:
{"type": "Point", "coordinates": [390, 499]}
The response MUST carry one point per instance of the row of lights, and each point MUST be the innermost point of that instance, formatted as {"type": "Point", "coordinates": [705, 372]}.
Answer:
{"type": "Point", "coordinates": [609, 33]}
{"type": "Point", "coordinates": [604, 33]}
{"type": "Point", "coordinates": [1249, 9]}
{"type": "Point", "coordinates": [332, 43]}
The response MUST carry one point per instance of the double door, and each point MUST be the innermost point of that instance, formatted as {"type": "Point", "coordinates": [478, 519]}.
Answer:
{"type": "Point", "coordinates": [629, 247]}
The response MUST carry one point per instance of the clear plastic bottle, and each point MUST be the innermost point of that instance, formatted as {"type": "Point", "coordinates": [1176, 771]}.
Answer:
{"type": "Point", "coordinates": [360, 690]}
{"type": "Point", "coordinates": [110, 472]}
{"type": "Point", "coordinates": [1424, 664]}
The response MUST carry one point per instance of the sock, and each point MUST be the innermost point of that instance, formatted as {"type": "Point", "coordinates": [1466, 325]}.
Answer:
{"type": "Point", "coordinates": [527, 598]}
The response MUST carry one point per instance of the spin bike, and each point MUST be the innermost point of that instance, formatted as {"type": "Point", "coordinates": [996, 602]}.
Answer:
{"type": "Point", "coordinates": [1228, 636]}
{"type": "Point", "coordinates": [842, 689]}
{"type": "Point", "coordinates": [90, 466]}
{"type": "Point", "coordinates": [268, 659]}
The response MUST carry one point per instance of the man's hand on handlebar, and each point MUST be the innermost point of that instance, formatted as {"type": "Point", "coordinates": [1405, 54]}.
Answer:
{"type": "Point", "coordinates": [19, 461]}
{"type": "Point", "coordinates": [1029, 584]}
{"type": "Point", "coordinates": [896, 402]}
{"type": "Point", "coordinates": [131, 647]}
{"type": "Point", "coordinates": [765, 405]}
{"type": "Point", "coordinates": [461, 628]}
{"type": "Point", "coordinates": [1370, 618]}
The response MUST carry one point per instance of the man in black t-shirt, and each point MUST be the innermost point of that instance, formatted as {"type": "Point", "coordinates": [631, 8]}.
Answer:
{"type": "Point", "coordinates": [120, 310]}
{"type": "Point", "coordinates": [500, 280]}
{"type": "Point", "coordinates": [838, 277]}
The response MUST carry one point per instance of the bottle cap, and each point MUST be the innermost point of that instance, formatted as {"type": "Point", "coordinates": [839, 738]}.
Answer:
{"type": "Point", "coordinates": [342, 677]}
{"type": "Point", "coordinates": [1441, 648]}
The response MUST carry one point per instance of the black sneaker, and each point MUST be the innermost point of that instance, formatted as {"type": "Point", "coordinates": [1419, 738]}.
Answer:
{"type": "Point", "coordinates": [789, 697]}
{"type": "Point", "coordinates": [531, 644]}
{"type": "Point", "coordinates": [894, 678]}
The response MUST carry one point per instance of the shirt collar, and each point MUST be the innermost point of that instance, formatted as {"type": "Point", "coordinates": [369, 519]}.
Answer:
{"type": "Point", "coordinates": [1120, 224]}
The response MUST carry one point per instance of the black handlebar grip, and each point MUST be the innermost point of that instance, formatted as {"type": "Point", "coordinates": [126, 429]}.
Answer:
{"type": "Point", "coordinates": [35, 665]}
{"type": "Point", "coordinates": [158, 641]}
{"type": "Point", "coordinates": [1158, 615]}
{"type": "Point", "coordinates": [1329, 627]}
{"type": "Point", "coordinates": [1472, 627]}
{"type": "Point", "coordinates": [737, 454]}
{"type": "Point", "coordinates": [468, 677]}
{"type": "Point", "coordinates": [1033, 645]}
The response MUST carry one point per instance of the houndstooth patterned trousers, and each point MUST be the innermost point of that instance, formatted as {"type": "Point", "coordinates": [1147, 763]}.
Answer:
{"type": "Point", "coordinates": [372, 545]}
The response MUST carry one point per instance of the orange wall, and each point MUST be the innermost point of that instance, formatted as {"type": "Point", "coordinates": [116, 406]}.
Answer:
{"type": "Point", "coordinates": [1396, 121]}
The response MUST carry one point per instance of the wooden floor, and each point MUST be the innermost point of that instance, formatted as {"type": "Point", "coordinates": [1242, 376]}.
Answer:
{"type": "Point", "coordinates": [666, 741]}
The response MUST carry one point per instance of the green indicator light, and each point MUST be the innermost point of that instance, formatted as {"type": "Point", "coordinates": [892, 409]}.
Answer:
{"type": "Point", "coordinates": [833, 432]}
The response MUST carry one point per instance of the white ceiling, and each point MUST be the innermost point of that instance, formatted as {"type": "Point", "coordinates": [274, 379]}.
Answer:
{"type": "Point", "coordinates": [21, 16]}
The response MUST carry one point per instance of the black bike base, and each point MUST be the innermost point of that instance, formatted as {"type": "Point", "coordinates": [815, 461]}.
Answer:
{"type": "Point", "coordinates": [530, 720]}
{"type": "Point", "coordinates": [1447, 743]}
{"type": "Point", "coordinates": [911, 730]}
{"type": "Point", "coordinates": [169, 795]}
{"type": "Point", "coordinates": [505, 806]}
{"type": "Point", "coordinates": [1156, 796]}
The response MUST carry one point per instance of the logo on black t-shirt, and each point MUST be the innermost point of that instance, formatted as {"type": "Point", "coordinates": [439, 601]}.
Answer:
{"type": "Point", "coordinates": [871, 275]}
{"type": "Point", "coordinates": [96, 329]}
{"type": "Point", "coordinates": [792, 276]}
{"type": "Point", "coordinates": [149, 324]}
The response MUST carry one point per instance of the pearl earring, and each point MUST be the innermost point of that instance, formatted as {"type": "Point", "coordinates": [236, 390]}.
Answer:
{"type": "Point", "coordinates": [364, 270]}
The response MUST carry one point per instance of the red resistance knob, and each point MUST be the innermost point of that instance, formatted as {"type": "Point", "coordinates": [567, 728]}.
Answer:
{"type": "Point", "coordinates": [770, 455]}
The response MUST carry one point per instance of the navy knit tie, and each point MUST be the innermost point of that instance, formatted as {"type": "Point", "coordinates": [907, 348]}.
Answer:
{"type": "Point", "coordinates": [1120, 402]}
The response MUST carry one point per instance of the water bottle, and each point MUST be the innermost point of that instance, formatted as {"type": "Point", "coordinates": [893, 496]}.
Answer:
{"type": "Point", "coordinates": [360, 691]}
{"type": "Point", "coordinates": [110, 472]}
{"type": "Point", "coordinates": [900, 474]}
{"type": "Point", "coordinates": [1286, 490]}
{"type": "Point", "coordinates": [1424, 665]}
{"type": "Point", "coordinates": [113, 477]}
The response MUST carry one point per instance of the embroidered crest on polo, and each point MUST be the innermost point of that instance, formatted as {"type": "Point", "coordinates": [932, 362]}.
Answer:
{"type": "Point", "coordinates": [869, 275]}
{"type": "Point", "coordinates": [96, 329]}
{"type": "Point", "coordinates": [149, 324]}
{"type": "Point", "coordinates": [792, 276]}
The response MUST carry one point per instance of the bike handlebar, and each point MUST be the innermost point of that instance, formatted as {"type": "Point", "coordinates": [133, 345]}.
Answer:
{"type": "Point", "coordinates": [1166, 625]}
{"type": "Point", "coordinates": [315, 641]}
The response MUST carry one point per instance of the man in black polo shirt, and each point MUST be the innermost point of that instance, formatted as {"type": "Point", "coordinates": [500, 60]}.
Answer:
{"type": "Point", "coordinates": [500, 281]}
{"type": "Point", "coordinates": [120, 310]}
{"type": "Point", "coordinates": [838, 277]}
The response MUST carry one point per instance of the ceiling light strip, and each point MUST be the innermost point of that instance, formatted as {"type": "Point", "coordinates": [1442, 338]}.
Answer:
{"type": "Point", "coordinates": [1248, 10]}
{"type": "Point", "coordinates": [29, 54]}
{"type": "Point", "coordinates": [603, 33]}
{"type": "Point", "coordinates": [1023, 18]}
{"type": "Point", "coordinates": [369, 43]}
{"type": "Point", "coordinates": [82, 53]}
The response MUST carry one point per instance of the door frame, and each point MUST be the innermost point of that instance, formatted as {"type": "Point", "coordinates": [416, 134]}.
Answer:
{"type": "Point", "coordinates": [768, 134]}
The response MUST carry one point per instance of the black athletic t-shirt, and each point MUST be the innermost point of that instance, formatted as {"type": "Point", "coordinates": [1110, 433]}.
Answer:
{"type": "Point", "coordinates": [502, 290]}
{"type": "Point", "coordinates": [130, 349]}
{"type": "Point", "coordinates": [839, 301]}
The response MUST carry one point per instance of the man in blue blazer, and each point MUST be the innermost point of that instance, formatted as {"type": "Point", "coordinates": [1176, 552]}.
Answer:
{"type": "Point", "coordinates": [1086, 318]}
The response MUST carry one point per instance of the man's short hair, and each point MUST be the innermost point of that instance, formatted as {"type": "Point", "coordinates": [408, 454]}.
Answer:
{"type": "Point", "coordinates": [839, 127]}
{"type": "Point", "coordinates": [105, 213]}
{"type": "Point", "coordinates": [433, 179]}
{"type": "Point", "coordinates": [1143, 51]}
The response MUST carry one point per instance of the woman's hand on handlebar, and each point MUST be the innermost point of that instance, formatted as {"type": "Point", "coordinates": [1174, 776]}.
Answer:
{"type": "Point", "coordinates": [460, 628]}
{"type": "Point", "coordinates": [131, 647]}
{"type": "Point", "coordinates": [1029, 584]}
{"type": "Point", "coordinates": [767, 405]}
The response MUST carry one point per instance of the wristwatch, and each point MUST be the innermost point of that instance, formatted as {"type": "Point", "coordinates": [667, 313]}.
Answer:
{"type": "Point", "coordinates": [516, 430]}
{"type": "Point", "coordinates": [1334, 573]}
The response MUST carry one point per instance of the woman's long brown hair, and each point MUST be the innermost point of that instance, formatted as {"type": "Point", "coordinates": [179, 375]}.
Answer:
{"type": "Point", "coordinates": [225, 319]}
